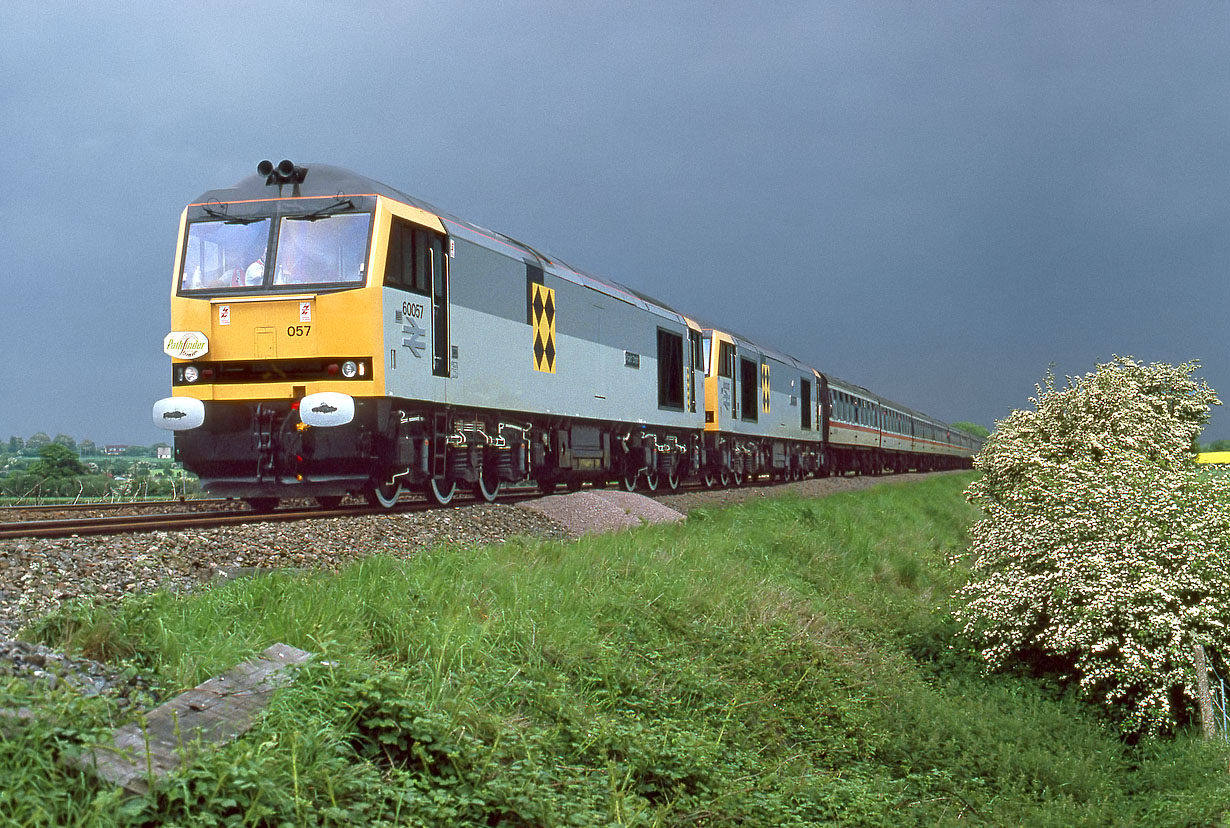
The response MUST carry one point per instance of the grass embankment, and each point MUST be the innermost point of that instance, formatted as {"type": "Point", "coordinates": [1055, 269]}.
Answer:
{"type": "Point", "coordinates": [788, 662]}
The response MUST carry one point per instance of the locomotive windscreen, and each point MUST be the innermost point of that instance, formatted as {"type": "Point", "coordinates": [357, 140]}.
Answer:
{"type": "Point", "coordinates": [219, 254]}
{"type": "Point", "coordinates": [314, 249]}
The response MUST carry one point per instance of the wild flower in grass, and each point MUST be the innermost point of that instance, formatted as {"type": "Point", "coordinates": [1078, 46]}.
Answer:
{"type": "Point", "coordinates": [1103, 553]}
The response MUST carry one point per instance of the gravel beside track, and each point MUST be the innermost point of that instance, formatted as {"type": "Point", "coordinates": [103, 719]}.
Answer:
{"type": "Point", "coordinates": [37, 576]}
{"type": "Point", "coordinates": [602, 510]}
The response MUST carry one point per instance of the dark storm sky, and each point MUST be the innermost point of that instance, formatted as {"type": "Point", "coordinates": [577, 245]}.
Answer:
{"type": "Point", "coordinates": [935, 200]}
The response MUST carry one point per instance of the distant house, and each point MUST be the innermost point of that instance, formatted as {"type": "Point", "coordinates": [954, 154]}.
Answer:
{"type": "Point", "coordinates": [114, 451]}
{"type": "Point", "coordinates": [163, 452]}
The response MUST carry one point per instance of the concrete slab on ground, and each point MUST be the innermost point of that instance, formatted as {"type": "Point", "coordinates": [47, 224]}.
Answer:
{"type": "Point", "coordinates": [211, 713]}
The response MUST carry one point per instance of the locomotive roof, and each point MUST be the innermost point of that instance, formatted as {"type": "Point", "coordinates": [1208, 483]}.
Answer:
{"type": "Point", "coordinates": [326, 181]}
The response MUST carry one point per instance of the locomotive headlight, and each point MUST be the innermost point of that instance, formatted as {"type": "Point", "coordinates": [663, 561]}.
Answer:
{"type": "Point", "coordinates": [350, 369]}
{"type": "Point", "coordinates": [191, 374]}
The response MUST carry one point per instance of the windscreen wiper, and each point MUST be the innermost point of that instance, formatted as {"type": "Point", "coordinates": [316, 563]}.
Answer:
{"type": "Point", "coordinates": [323, 212]}
{"type": "Point", "coordinates": [209, 211]}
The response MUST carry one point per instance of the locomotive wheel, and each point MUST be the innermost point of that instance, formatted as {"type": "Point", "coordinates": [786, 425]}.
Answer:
{"type": "Point", "coordinates": [328, 501]}
{"type": "Point", "coordinates": [672, 480]}
{"type": "Point", "coordinates": [709, 479]}
{"type": "Point", "coordinates": [487, 489]}
{"type": "Point", "coordinates": [724, 477]}
{"type": "Point", "coordinates": [441, 491]}
{"type": "Point", "coordinates": [651, 480]}
{"type": "Point", "coordinates": [261, 504]}
{"type": "Point", "coordinates": [385, 496]}
{"type": "Point", "coordinates": [629, 481]}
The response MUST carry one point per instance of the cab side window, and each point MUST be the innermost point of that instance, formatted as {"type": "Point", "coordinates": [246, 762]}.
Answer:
{"type": "Point", "coordinates": [726, 360]}
{"type": "Point", "coordinates": [409, 262]}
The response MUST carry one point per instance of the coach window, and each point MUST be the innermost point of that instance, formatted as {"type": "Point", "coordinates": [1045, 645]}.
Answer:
{"type": "Point", "coordinates": [749, 389]}
{"type": "Point", "coordinates": [670, 370]}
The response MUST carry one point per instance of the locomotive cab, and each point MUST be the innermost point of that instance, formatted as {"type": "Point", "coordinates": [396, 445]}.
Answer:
{"type": "Point", "coordinates": [277, 379]}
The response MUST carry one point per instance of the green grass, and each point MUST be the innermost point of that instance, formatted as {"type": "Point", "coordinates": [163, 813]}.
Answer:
{"type": "Point", "coordinates": [789, 662]}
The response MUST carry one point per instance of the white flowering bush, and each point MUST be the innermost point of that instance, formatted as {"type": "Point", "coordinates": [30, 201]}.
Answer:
{"type": "Point", "coordinates": [1102, 555]}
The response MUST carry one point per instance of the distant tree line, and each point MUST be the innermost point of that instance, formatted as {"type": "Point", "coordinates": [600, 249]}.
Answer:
{"type": "Point", "coordinates": [42, 466]}
{"type": "Point", "coordinates": [972, 428]}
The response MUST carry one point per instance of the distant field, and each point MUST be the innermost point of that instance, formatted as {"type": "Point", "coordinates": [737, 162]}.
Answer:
{"type": "Point", "coordinates": [788, 662]}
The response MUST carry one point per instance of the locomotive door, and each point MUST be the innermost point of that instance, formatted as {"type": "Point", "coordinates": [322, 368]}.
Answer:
{"type": "Point", "coordinates": [418, 266]}
{"type": "Point", "coordinates": [411, 335]}
{"type": "Point", "coordinates": [442, 363]}
{"type": "Point", "coordinates": [727, 398]}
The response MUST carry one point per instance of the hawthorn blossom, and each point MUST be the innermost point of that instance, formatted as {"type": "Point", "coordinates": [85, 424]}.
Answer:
{"type": "Point", "coordinates": [1102, 554]}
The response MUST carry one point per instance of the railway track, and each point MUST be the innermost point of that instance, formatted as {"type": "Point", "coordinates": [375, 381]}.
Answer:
{"type": "Point", "coordinates": [207, 519]}
{"type": "Point", "coordinates": [222, 512]}
{"type": "Point", "coordinates": [120, 524]}
{"type": "Point", "coordinates": [113, 506]}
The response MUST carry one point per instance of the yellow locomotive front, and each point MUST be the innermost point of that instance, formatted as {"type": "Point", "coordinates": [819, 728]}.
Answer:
{"type": "Point", "coordinates": [276, 378]}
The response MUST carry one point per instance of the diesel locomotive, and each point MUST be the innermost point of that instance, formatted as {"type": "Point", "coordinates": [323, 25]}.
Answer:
{"type": "Point", "coordinates": [333, 336]}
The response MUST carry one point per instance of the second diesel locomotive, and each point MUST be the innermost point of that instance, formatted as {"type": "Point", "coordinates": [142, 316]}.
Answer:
{"type": "Point", "coordinates": [334, 336]}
